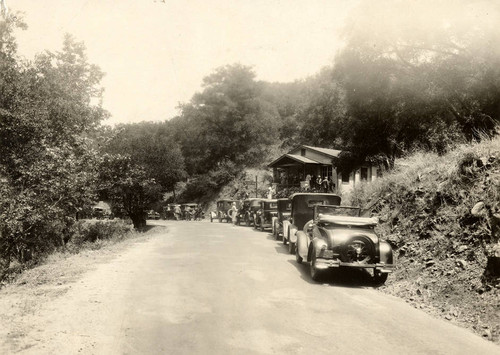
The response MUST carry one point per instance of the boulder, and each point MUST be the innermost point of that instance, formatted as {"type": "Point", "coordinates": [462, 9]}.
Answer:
{"type": "Point", "coordinates": [478, 209]}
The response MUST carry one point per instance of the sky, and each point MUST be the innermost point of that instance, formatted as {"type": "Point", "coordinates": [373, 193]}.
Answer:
{"type": "Point", "coordinates": [156, 53]}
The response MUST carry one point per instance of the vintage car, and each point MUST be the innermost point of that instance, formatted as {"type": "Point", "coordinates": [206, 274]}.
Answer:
{"type": "Point", "coordinates": [284, 211]}
{"type": "Point", "coordinates": [337, 237]}
{"type": "Point", "coordinates": [189, 211]}
{"type": "Point", "coordinates": [169, 210]}
{"type": "Point", "coordinates": [224, 211]}
{"type": "Point", "coordinates": [302, 212]}
{"type": "Point", "coordinates": [101, 213]}
{"type": "Point", "coordinates": [152, 214]}
{"type": "Point", "coordinates": [247, 211]}
{"type": "Point", "coordinates": [264, 216]}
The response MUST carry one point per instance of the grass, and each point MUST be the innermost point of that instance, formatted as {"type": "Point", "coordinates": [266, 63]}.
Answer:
{"type": "Point", "coordinates": [424, 206]}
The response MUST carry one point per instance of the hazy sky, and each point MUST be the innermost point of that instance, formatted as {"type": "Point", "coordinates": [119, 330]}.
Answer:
{"type": "Point", "coordinates": [155, 53]}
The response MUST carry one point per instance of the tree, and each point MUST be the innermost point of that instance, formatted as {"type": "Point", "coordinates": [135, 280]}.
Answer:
{"type": "Point", "coordinates": [128, 187]}
{"type": "Point", "coordinates": [151, 146]}
{"type": "Point", "coordinates": [228, 120]}
{"type": "Point", "coordinates": [419, 79]}
{"type": "Point", "coordinates": [47, 168]}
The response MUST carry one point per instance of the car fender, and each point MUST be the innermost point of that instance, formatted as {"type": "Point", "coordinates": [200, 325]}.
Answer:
{"type": "Point", "coordinates": [273, 224]}
{"type": "Point", "coordinates": [292, 234]}
{"type": "Point", "coordinates": [385, 252]}
{"type": "Point", "coordinates": [286, 225]}
{"type": "Point", "coordinates": [302, 244]}
{"type": "Point", "coordinates": [316, 244]}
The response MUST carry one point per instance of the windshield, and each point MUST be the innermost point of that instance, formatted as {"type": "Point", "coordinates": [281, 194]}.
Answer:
{"type": "Point", "coordinates": [338, 211]}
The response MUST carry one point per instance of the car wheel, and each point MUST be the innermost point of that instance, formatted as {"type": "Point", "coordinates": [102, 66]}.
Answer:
{"type": "Point", "coordinates": [247, 220]}
{"type": "Point", "coordinates": [284, 239]}
{"type": "Point", "coordinates": [315, 273]}
{"type": "Point", "coordinates": [379, 278]}
{"type": "Point", "coordinates": [275, 231]}
{"type": "Point", "coordinates": [298, 258]}
{"type": "Point", "coordinates": [291, 247]}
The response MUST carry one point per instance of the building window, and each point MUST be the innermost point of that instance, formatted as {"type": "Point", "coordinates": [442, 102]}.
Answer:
{"type": "Point", "coordinates": [364, 174]}
{"type": "Point", "coordinates": [345, 178]}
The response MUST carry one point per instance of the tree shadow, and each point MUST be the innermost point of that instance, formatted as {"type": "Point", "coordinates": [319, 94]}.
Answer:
{"type": "Point", "coordinates": [146, 228]}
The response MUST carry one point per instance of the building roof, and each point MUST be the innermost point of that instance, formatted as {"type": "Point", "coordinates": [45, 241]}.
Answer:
{"type": "Point", "coordinates": [295, 158]}
{"type": "Point", "coordinates": [334, 153]}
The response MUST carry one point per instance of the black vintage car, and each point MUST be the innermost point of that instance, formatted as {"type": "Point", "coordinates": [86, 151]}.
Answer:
{"type": "Point", "coordinates": [264, 216]}
{"type": "Point", "coordinates": [337, 237]}
{"type": "Point", "coordinates": [302, 212]}
{"type": "Point", "coordinates": [247, 211]}
{"type": "Point", "coordinates": [284, 212]}
{"type": "Point", "coordinates": [224, 211]}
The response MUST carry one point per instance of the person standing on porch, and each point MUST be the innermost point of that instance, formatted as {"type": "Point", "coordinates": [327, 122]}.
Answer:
{"type": "Point", "coordinates": [324, 184]}
{"type": "Point", "coordinates": [308, 181]}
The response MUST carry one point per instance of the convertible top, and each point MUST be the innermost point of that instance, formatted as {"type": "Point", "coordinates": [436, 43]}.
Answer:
{"type": "Point", "coordinates": [348, 220]}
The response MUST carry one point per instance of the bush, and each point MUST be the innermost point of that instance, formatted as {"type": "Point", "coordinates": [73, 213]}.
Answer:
{"type": "Point", "coordinates": [92, 232]}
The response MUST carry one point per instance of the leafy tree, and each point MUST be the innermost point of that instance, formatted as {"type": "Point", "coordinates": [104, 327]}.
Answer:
{"type": "Point", "coordinates": [128, 187]}
{"type": "Point", "coordinates": [419, 79]}
{"type": "Point", "coordinates": [151, 146]}
{"type": "Point", "coordinates": [228, 120]}
{"type": "Point", "coordinates": [47, 168]}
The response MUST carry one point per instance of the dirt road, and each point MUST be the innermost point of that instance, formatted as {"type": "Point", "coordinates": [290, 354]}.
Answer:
{"type": "Point", "coordinates": [211, 288]}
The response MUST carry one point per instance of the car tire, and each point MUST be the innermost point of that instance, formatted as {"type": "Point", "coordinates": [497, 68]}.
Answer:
{"type": "Point", "coordinates": [261, 227]}
{"type": "Point", "coordinates": [291, 247]}
{"type": "Point", "coordinates": [298, 258]}
{"type": "Point", "coordinates": [315, 273]}
{"type": "Point", "coordinates": [379, 278]}
{"type": "Point", "coordinates": [247, 220]}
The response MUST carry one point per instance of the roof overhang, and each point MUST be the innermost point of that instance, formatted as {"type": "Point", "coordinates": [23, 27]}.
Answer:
{"type": "Point", "coordinates": [292, 160]}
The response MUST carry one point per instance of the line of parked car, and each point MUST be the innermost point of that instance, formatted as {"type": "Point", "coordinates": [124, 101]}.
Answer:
{"type": "Point", "coordinates": [318, 230]}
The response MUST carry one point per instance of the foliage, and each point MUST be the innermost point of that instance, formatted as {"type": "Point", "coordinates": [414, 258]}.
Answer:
{"type": "Point", "coordinates": [89, 232]}
{"type": "Point", "coordinates": [228, 120]}
{"type": "Point", "coordinates": [150, 146]}
{"type": "Point", "coordinates": [418, 79]}
{"type": "Point", "coordinates": [128, 187]}
{"type": "Point", "coordinates": [47, 168]}
{"type": "Point", "coordinates": [209, 184]}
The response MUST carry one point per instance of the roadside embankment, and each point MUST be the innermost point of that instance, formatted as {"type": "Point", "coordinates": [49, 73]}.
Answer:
{"type": "Point", "coordinates": [441, 215]}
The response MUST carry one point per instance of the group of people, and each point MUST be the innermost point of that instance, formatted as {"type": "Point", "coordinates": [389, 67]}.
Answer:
{"type": "Point", "coordinates": [189, 213]}
{"type": "Point", "coordinates": [324, 184]}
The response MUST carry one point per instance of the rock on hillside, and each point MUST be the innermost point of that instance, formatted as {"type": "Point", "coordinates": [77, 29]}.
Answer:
{"type": "Point", "coordinates": [441, 214]}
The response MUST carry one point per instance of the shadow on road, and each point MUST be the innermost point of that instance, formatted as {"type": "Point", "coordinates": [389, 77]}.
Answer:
{"type": "Point", "coordinates": [281, 249]}
{"type": "Point", "coordinates": [342, 277]}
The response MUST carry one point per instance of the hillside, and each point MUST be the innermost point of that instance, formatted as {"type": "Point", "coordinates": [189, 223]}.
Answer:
{"type": "Point", "coordinates": [441, 214]}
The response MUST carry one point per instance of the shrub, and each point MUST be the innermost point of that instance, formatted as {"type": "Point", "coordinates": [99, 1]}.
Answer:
{"type": "Point", "coordinates": [92, 232]}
